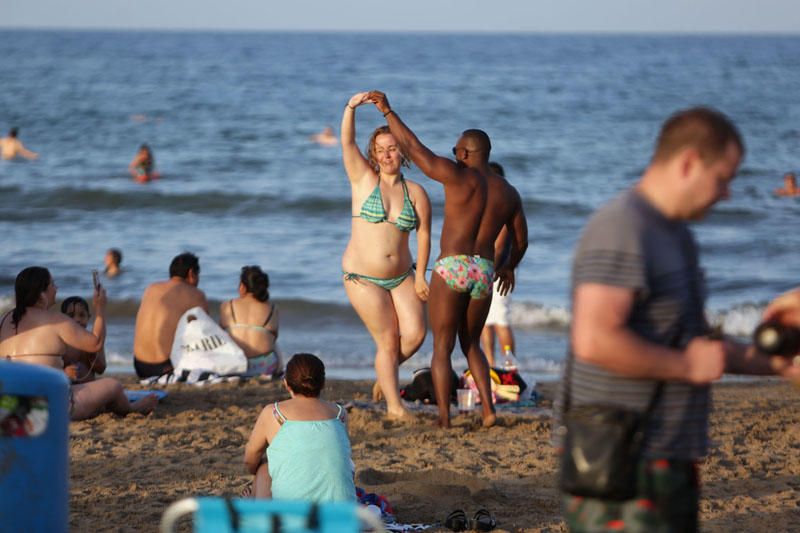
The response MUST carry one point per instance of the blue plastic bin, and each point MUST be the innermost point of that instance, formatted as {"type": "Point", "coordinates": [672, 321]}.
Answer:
{"type": "Point", "coordinates": [34, 482]}
{"type": "Point", "coordinates": [220, 515]}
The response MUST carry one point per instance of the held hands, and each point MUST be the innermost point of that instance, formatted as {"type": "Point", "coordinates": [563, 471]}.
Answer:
{"type": "Point", "coordinates": [705, 360]}
{"type": "Point", "coordinates": [506, 277]}
{"type": "Point", "coordinates": [380, 101]}
{"type": "Point", "coordinates": [358, 99]}
{"type": "Point", "coordinates": [422, 288]}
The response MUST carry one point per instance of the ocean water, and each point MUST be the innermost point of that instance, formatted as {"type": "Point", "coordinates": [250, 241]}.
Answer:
{"type": "Point", "coordinates": [572, 118]}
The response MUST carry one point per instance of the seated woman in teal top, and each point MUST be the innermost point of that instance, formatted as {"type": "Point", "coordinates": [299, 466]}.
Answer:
{"type": "Point", "coordinates": [307, 448]}
{"type": "Point", "coordinates": [383, 286]}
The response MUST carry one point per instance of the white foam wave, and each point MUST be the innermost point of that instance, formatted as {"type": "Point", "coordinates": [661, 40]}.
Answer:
{"type": "Point", "coordinates": [539, 316]}
{"type": "Point", "coordinates": [6, 303]}
{"type": "Point", "coordinates": [740, 320]}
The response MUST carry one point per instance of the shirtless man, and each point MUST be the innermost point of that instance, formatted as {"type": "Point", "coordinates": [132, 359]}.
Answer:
{"type": "Point", "coordinates": [163, 304]}
{"type": "Point", "coordinates": [478, 203]}
{"type": "Point", "coordinates": [32, 333]}
{"type": "Point", "coordinates": [11, 147]}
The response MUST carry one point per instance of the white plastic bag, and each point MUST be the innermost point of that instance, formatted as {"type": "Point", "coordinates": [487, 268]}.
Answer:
{"type": "Point", "coordinates": [201, 344]}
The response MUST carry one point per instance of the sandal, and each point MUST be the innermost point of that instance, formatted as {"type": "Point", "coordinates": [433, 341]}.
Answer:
{"type": "Point", "coordinates": [483, 520]}
{"type": "Point", "coordinates": [457, 521]}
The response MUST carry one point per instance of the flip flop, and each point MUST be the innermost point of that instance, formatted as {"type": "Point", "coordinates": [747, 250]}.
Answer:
{"type": "Point", "coordinates": [483, 520]}
{"type": "Point", "coordinates": [457, 521]}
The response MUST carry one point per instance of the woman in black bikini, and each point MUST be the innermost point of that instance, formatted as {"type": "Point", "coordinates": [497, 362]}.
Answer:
{"type": "Point", "coordinates": [31, 333]}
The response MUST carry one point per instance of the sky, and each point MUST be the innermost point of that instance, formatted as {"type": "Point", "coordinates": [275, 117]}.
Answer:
{"type": "Point", "coordinates": [561, 16]}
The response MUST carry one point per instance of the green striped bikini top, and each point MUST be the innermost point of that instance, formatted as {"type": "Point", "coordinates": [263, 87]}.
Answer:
{"type": "Point", "coordinates": [372, 209]}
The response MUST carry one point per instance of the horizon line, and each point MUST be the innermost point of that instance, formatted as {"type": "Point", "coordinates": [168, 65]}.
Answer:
{"type": "Point", "coordinates": [656, 33]}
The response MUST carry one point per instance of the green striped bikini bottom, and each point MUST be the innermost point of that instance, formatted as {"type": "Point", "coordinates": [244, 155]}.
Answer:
{"type": "Point", "coordinates": [383, 283]}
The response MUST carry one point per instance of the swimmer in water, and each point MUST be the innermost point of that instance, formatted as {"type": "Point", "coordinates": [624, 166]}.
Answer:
{"type": "Point", "coordinates": [789, 186]}
{"type": "Point", "coordinates": [325, 138]}
{"type": "Point", "coordinates": [141, 168]}
{"type": "Point", "coordinates": [11, 147]}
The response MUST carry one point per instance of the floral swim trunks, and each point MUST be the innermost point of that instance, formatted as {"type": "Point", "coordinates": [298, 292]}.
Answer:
{"type": "Point", "coordinates": [467, 273]}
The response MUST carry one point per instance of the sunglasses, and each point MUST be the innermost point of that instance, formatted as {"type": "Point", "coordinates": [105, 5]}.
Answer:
{"type": "Point", "coordinates": [456, 149]}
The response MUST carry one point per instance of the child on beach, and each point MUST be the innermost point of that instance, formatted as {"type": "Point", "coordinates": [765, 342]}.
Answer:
{"type": "Point", "coordinates": [299, 448]}
{"type": "Point", "coordinates": [80, 366]}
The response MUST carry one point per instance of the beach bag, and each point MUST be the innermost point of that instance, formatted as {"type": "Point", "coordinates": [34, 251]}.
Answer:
{"type": "Point", "coordinates": [201, 344]}
{"type": "Point", "coordinates": [421, 387]}
{"type": "Point", "coordinates": [506, 385]}
{"type": "Point", "coordinates": [602, 448]}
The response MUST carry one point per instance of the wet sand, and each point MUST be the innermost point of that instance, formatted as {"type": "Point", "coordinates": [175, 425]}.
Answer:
{"type": "Point", "coordinates": [125, 471]}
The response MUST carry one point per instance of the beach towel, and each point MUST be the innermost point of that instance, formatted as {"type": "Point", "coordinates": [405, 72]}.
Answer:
{"type": "Point", "coordinates": [202, 345]}
{"type": "Point", "coordinates": [136, 395]}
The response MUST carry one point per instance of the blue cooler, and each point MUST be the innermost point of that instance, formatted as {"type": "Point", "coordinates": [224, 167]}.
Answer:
{"type": "Point", "coordinates": [34, 438]}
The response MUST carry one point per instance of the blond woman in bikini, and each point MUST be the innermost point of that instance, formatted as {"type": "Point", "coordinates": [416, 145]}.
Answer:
{"type": "Point", "coordinates": [381, 281]}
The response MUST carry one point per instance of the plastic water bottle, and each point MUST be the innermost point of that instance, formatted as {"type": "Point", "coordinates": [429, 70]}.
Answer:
{"type": "Point", "coordinates": [509, 361]}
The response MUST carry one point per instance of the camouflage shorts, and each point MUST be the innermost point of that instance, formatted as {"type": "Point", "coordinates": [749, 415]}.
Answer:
{"type": "Point", "coordinates": [667, 502]}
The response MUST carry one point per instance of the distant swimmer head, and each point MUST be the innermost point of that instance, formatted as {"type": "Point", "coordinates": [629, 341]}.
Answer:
{"type": "Point", "coordinates": [77, 309]}
{"type": "Point", "coordinates": [305, 375]}
{"type": "Point", "coordinates": [790, 180]}
{"type": "Point", "coordinates": [13, 132]}
{"type": "Point", "coordinates": [384, 152]}
{"type": "Point", "coordinates": [255, 281]}
{"type": "Point", "coordinates": [497, 168]}
{"type": "Point", "coordinates": [32, 286]}
{"type": "Point", "coordinates": [113, 257]}
{"type": "Point", "coordinates": [185, 266]}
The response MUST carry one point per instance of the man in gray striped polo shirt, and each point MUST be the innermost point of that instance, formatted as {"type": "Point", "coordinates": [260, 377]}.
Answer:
{"type": "Point", "coordinates": [638, 298]}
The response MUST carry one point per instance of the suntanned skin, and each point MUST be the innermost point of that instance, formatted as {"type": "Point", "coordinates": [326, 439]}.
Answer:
{"type": "Point", "coordinates": [162, 305]}
{"type": "Point", "coordinates": [42, 337]}
{"type": "Point", "coordinates": [11, 147]}
{"type": "Point", "coordinates": [468, 229]}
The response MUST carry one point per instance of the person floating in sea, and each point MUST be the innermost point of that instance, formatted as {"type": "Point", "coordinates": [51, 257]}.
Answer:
{"type": "Point", "coordinates": [143, 165]}
{"type": "Point", "coordinates": [789, 186]}
{"type": "Point", "coordinates": [112, 260]}
{"type": "Point", "coordinates": [380, 279]}
{"type": "Point", "coordinates": [325, 138]}
{"type": "Point", "coordinates": [11, 147]}
{"type": "Point", "coordinates": [478, 204]}
{"type": "Point", "coordinates": [163, 304]}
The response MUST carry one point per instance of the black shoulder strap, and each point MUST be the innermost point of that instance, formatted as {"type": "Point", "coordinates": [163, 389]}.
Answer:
{"type": "Point", "coordinates": [233, 315]}
{"type": "Point", "coordinates": [269, 316]}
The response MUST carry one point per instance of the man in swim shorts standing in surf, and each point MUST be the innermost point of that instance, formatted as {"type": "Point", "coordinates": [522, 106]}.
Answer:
{"type": "Point", "coordinates": [478, 203]}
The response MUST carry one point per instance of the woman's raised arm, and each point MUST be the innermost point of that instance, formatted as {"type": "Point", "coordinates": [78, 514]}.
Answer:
{"type": "Point", "coordinates": [355, 164]}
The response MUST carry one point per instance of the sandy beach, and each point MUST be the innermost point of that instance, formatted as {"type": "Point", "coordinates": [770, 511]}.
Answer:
{"type": "Point", "coordinates": [125, 471]}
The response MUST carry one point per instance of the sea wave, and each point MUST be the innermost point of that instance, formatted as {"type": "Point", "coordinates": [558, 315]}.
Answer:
{"type": "Point", "coordinates": [206, 202]}
{"type": "Point", "coordinates": [738, 320]}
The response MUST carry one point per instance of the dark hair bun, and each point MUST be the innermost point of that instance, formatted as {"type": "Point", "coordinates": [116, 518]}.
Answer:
{"type": "Point", "coordinates": [256, 282]}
